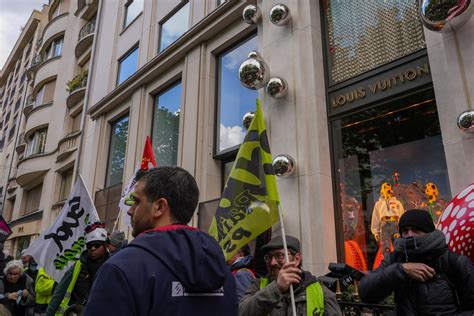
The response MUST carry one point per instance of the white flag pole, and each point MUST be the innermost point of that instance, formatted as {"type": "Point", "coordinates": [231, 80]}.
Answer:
{"type": "Point", "coordinates": [287, 258]}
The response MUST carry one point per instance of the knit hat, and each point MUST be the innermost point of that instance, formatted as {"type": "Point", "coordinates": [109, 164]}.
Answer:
{"type": "Point", "coordinates": [277, 243]}
{"type": "Point", "coordinates": [419, 219]}
{"type": "Point", "coordinates": [116, 238]}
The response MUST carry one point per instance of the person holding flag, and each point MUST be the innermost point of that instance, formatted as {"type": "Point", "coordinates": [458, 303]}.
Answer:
{"type": "Point", "coordinates": [75, 286]}
{"type": "Point", "coordinates": [249, 206]}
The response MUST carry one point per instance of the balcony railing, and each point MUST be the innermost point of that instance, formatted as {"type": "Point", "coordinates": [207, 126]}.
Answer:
{"type": "Point", "coordinates": [68, 144]}
{"type": "Point", "coordinates": [38, 59]}
{"type": "Point", "coordinates": [87, 29]}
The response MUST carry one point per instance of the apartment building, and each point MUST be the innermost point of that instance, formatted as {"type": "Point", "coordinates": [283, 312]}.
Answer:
{"type": "Point", "coordinates": [46, 76]}
{"type": "Point", "coordinates": [373, 97]}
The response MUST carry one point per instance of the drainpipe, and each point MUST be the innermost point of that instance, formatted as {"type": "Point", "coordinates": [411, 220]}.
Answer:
{"type": "Point", "coordinates": [86, 99]}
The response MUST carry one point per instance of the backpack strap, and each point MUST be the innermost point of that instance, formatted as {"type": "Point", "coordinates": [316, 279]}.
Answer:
{"type": "Point", "coordinates": [447, 263]}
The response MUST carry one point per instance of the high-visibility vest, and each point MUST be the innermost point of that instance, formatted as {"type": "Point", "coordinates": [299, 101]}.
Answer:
{"type": "Point", "coordinates": [65, 302]}
{"type": "Point", "coordinates": [314, 297]}
{"type": "Point", "coordinates": [44, 285]}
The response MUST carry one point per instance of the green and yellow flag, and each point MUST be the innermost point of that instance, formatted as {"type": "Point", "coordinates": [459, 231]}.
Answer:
{"type": "Point", "coordinates": [249, 203]}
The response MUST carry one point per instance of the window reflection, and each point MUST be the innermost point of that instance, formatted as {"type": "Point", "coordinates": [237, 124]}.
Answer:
{"type": "Point", "coordinates": [118, 146]}
{"type": "Point", "coordinates": [132, 9]}
{"type": "Point", "coordinates": [165, 131]}
{"type": "Point", "coordinates": [387, 157]}
{"type": "Point", "coordinates": [234, 100]}
{"type": "Point", "coordinates": [127, 65]}
{"type": "Point", "coordinates": [174, 27]}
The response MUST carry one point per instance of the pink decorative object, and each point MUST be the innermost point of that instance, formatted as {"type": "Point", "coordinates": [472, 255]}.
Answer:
{"type": "Point", "coordinates": [457, 223]}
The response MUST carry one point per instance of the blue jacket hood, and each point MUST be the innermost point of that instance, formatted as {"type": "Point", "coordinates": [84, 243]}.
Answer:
{"type": "Point", "coordinates": [192, 256]}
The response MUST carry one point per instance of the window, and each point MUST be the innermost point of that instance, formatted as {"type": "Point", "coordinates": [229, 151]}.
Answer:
{"type": "Point", "coordinates": [76, 122]}
{"type": "Point", "coordinates": [118, 146]}
{"type": "Point", "coordinates": [363, 37]}
{"type": "Point", "coordinates": [132, 9]}
{"type": "Point", "coordinates": [56, 11]}
{"type": "Point", "coordinates": [8, 212]}
{"type": "Point", "coordinates": [165, 129]}
{"type": "Point", "coordinates": [33, 198]}
{"type": "Point", "coordinates": [127, 65]}
{"type": "Point", "coordinates": [398, 143]}
{"type": "Point", "coordinates": [54, 49]}
{"type": "Point", "coordinates": [37, 142]}
{"type": "Point", "coordinates": [233, 99]}
{"type": "Point", "coordinates": [17, 104]}
{"type": "Point", "coordinates": [66, 181]}
{"type": "Point", "coordinates": [22, 243]}
{"type": "Point", "coordinates": [45, 94]}
{"type": "Point", "coordinates": [174, 27]}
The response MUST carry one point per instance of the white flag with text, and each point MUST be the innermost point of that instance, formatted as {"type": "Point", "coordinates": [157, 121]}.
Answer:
{"type": "Point", "coordinates": [57, 248]}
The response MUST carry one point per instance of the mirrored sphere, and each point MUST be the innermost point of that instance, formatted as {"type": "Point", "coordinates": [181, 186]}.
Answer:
{"type": "Point", "coordinates": [277, 87]}
{"type": "Point", "coordinates": [247, 119]}
{"type": "Point", "coordinates": [445, 16]}
{"type": "Point", "coordinates": [254, 54]}
{"type": "Point", "coordinates": [283, 165]}
{"type": "Point", "coordinates": [466, 121]}
{"type": "Point", "coordinates": [254, 73]}
{"type": "Point", "coordinates": [280, 14]}
{"type": "Point", "coordinates": [251, 14]}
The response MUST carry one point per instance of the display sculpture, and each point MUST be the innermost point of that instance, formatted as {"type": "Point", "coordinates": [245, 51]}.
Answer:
{"type": "Point", "coordinates": [457, 223]}
{"type": "Point", "coordinates": [385, 216]}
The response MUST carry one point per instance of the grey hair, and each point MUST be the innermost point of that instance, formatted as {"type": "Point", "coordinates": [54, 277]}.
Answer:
{"type": "Point", "coordinates": [13, 264]}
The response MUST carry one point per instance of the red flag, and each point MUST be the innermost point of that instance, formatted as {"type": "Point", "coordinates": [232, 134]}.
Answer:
{"type": "Point", "coordinates": [148, 156]}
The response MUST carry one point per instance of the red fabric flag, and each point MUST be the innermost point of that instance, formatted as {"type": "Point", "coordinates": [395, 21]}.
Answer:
{"type": "Point", "coordinates": [148, 156]}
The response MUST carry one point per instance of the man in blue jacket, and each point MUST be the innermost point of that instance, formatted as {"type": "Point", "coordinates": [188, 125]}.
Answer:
{"type": "Point", "coordinates": [169, 268]}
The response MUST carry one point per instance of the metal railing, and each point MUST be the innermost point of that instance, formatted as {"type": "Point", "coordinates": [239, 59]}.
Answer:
{"type": "Point", "coordinates": [38, 59]}
{"type": "Point", "coordinates": [87, 29]}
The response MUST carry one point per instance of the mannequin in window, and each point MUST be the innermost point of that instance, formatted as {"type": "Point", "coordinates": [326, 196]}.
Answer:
{"type": "Point", "coordinates": [385, 216]}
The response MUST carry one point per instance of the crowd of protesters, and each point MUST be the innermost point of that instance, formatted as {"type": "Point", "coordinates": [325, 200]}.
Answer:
{"type": "Point", "coordinates": [171, 268]}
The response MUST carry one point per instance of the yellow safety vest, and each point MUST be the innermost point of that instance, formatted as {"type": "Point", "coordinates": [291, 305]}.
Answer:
{"type": "Point", "coordinates": [43, 287]}
{"type": "Point", "coordinates": [314, 297]}
{"type": "Point", "coordinates": [65, 302]}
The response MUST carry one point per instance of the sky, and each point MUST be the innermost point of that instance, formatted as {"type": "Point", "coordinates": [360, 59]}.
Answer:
{"type": "Point", "coordinates": [13, 15]}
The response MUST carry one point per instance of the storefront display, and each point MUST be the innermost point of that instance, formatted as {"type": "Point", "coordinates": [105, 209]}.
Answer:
{"type": "Point", "coordinates": [389, 158]}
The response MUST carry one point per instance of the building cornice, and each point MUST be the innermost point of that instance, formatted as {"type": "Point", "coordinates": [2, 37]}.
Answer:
{"type": "Point", "coordinates": [222, 17]}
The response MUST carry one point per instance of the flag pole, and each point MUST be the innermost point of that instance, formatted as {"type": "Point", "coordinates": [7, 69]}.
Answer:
{"type": "Point", "coordinates": [287, 258]}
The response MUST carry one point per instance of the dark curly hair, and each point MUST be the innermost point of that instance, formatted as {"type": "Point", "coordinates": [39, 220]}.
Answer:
{"type": "Point", "coordinates": [177, 186]}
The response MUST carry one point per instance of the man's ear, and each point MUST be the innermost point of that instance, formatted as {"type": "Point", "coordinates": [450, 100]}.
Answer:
{"type": "Point", "coordinates": [298, 258]}
{"type": "Point", "coordinates": [159, 207]}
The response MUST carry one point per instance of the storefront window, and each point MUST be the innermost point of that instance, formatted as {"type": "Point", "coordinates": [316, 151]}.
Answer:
{"type": "Point", "coordinates": [165, 130]}
{"type": "Point", "coordinates": [363, 36]}
{"type": "Point", "coordinates": [233, 100]}
{"type": "Point", "coordinates": [118, 146]}
{"type": "Point", "coordinates": [388, 159]}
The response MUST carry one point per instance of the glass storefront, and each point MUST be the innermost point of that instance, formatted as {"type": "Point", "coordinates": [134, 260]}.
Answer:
{"type": "Point", "coordinates": [387, 159]}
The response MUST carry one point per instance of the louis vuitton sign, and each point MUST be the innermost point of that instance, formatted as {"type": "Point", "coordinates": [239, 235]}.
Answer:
{"type": "Point", "coordinates": [388, 83]}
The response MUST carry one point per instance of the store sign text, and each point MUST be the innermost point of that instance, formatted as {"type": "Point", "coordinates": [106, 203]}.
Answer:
{"type": "Point", "coordinates": [380, 86]}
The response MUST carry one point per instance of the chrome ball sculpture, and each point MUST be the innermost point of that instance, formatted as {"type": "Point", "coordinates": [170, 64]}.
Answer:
{"type": "Point", "coordinates": [251, 14]}
{"type": "Point", "coordinates": [466, 121]}
{"type": "Point", "coordinates": [277, 88]}
{"type": "Point", "coordinates": [445, 16]}
{"type": "Point", "coordinates": [247, 119]}
{"type": "Point", "coordinates": [280, 14]}
{"type": "Point", "coordinates": [283, 165]}
{"type": "Point", "coordinates": [254, 72]}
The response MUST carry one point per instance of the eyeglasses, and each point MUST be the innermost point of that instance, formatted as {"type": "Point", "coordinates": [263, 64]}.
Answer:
{"type": "Point", "coordinates": [95, 245]}
{"type": "Point", "coordinates": [279, 257]}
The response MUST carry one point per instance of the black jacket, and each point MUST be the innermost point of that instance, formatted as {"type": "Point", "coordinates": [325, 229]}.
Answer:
{"type": "Point", "coordinates": [434, 297]}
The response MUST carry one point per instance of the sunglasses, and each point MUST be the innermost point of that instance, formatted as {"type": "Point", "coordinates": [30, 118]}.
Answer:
{"type": "Point", "coordinates": [95, 245]}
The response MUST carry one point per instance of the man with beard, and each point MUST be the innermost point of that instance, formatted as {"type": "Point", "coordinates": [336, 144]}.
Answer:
{"type": "Point", "coordinates": [271, 295]}
{"type": "Point", "coordinates": [169, 268]}
{"type": "Point", "coordinates": [74, 287]}
{"type": "Point", "coordinates": [427, 278]}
